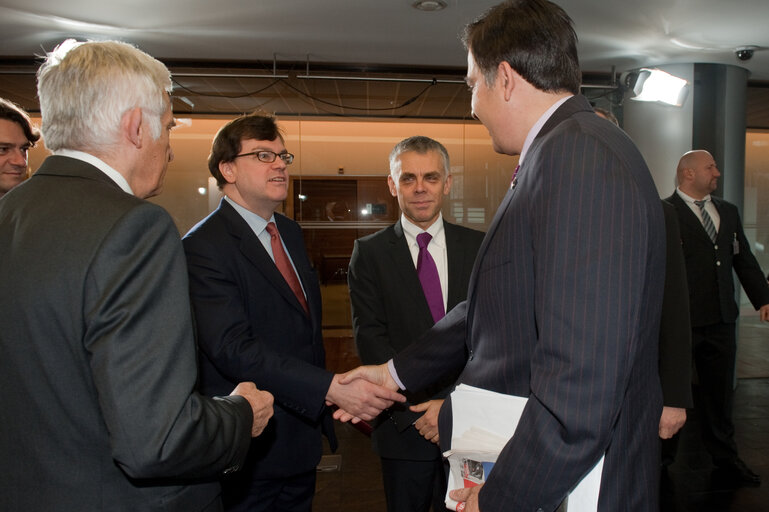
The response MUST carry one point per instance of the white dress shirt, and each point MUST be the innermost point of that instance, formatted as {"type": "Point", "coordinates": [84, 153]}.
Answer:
{"type": "Point", "coordinates": [436, 248]}
{"type": "Point", "coordinates": [709, 207]}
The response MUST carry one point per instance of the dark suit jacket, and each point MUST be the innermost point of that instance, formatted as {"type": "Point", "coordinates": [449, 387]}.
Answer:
{"type": "Point", "coordinates": [675, 359]}
{"type": "Point", "coordinates": [709, 267]}
{"type": "Point", "coordinates": [252, 327]}
{"type": "Point", "coordinates": [389, 312]}
{"type": "Point", "coordinates": [563, 308]}
{"type": "Point", "coordinates": [98, 361]}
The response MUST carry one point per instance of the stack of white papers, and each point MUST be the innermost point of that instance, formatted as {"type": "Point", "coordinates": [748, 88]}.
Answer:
{"type": "Point", "coordinates": [483, 422]}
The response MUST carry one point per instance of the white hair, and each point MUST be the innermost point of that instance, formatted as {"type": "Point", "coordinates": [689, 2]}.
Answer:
{"type": "Point", "coordinates": [85, 88]}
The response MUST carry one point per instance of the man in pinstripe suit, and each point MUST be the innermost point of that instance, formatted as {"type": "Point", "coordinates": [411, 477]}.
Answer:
{"type": "Point", "coordinates": [564, 302]}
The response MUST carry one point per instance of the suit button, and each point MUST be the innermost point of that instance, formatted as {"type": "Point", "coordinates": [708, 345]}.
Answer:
{"type": "Point", "coordinates": [716, 246]}
{"type": "Point", "coordinates": [718, 263]}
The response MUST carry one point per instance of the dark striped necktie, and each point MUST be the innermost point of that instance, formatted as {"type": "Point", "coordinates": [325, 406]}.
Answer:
{"type": "Point", "coordinates": [707, 222]}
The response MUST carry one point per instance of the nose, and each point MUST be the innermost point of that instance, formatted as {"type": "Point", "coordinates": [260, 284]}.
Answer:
{"type": "Point", "coordinates": [19, 158]}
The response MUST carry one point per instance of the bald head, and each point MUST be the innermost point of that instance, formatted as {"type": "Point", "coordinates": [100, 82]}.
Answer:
{"type": "Point", "coordinates": [697, 174]}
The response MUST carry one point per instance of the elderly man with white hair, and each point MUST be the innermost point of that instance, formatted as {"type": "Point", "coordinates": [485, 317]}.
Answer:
{"type": "Point", "coordinates": [97, 352]}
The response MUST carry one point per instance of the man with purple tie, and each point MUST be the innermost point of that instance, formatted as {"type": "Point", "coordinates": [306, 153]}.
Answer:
{"type": "Point", "coordinates": [402, 280]}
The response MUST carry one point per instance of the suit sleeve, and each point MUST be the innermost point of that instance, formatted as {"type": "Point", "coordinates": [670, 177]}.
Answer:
{"type": "Point", "coordinates": [141, 348]}
{"type": "Point", "coordinates": [675, 351]}
{"type": "Point", "coordinates": [440, 354]}
{"type": "Point", "coordinates": [747, 268]}
{"type": "Point", "coordinates": [237, 348]}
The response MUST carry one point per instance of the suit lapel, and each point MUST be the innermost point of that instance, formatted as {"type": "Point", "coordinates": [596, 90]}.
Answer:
{"type": "Point", "coordinates": [689, 219]}
{"type": "Point", "coordinates": [404, 264]}
{"type": "Point", "coordinates": [455, 256]}
{"type": "Point", "coordinates": [254, 252]}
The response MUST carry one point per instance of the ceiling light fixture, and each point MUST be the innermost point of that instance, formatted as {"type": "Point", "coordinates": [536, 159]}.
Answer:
{"type": "Point", "coordinates": [657, 85]}
{"type": "Point", "coordinates": [429, 5]}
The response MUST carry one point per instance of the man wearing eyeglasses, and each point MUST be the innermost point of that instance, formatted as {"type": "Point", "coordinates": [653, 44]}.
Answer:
{"type": "Point", "coordinates": [258, 310]}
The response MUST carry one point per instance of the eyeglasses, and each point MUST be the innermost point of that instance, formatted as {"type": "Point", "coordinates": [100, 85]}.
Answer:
{"type": "Point", "coordinates": [268, 156]}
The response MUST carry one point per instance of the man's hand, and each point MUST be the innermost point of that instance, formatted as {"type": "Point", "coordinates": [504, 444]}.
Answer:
{"type": "Point", "coordinates": [763, 312]}
{"type": "Point", "coordinates": [671, 421]}
{"type": "Point", "coordinates": [468, 496]}
{"type": "Point", "coordinates": [379, 375]}
{"type": "Point", "coordinates": [359, 398]}
{"type": "Point", "coordinates": [427, 424]}
{"type": "Point", "coordinates": [261, 405]}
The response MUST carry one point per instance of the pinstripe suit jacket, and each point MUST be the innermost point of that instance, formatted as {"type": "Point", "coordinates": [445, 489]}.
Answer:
{"type": "Point", "coordinates": [563, 308]}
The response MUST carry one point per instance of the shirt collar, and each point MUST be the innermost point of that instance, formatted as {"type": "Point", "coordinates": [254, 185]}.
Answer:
{"type": "Point", "coordinates": [538, 126]}
{"type": "Point", "coordinates": [100, 164]}
{"type": "Point", "coordinates": [256, 222]}
{"type": "Point", "coordinates": [435, 230]}
{"type": "Point", "coordinates": [690, 199]}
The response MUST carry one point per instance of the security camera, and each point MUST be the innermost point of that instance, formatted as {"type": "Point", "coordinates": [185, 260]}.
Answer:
{"type": "Point", "coordinates": [745, 52]}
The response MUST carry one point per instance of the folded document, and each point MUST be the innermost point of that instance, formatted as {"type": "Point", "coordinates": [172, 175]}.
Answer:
{"type": "Point", "coordinates": [483, 422]}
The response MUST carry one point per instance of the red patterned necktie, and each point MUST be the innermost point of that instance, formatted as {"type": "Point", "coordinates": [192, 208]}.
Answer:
{"type": "Point", "coordinates": [284, 265]}
{"type": "Point", "coordinates": [428, 276]}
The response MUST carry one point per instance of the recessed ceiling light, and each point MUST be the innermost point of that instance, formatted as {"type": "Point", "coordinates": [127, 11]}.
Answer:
{"type": "Point", "coordinates": [429, 5]}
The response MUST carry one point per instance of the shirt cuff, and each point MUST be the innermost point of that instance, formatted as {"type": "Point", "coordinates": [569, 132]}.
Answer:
{"type": "Point", "coordinates": [394, 375]}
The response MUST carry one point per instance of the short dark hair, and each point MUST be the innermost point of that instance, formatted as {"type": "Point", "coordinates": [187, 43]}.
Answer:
{"type": "Point", "coordinates": [535, 37]}
{"type": "Point", "coordinates": [13, 113]}
{"type": "Point", "coordinates": [227, 142]}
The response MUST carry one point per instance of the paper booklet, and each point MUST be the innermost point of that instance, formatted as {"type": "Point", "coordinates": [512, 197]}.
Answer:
{"type": "Point", "coordinates": [483, 422]}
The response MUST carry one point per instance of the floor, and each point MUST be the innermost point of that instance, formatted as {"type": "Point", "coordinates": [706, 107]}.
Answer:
{"type": "Point", "coordinates": [350, 480]}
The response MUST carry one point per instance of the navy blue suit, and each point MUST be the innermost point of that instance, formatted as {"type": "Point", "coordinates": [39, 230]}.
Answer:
{"type": "Point", "coordinates": [563, 308]}
{"type": "Point", "coordinates": [251, 327]}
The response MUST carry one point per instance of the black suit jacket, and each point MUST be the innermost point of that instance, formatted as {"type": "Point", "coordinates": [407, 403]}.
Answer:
{"type": "Point", "coordinates": [390, 312]}
{"type": "Point", "coordinates": [709, 266]}
{"type": "Point", "coordinates": [251, 327]}
{"type": "Point", "coordinates": [98, 364]}
{"type": "Point", "coordinates": [563, 308]}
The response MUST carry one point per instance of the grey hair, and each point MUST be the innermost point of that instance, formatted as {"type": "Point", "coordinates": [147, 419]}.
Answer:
{"type": "Point", "coordinates": [419, 144]}
{"type": "Point", "coordinates": [86, 87]}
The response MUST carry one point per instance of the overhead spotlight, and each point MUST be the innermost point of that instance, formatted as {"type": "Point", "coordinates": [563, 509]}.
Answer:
{"type": "Point", "coordinates": [657, 85]}
{"type": "Point", "coordinates": [429, 5]}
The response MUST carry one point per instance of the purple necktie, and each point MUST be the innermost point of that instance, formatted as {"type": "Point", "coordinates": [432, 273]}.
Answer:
{"type": "Point", "coordinates": [515, 173]}
{"type": "Point", "coordinates": [428, 276]}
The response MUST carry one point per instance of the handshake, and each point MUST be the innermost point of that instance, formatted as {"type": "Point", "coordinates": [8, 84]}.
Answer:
{"type": "Point", "coordinates": [360, 394]}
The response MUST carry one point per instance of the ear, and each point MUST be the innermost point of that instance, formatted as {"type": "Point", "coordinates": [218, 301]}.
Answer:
{"type": "Point", "coordinates": [506, 77]}
{"type": "Point", "coordinates": [391, 185]}
{"type": "Point", "coordinates": [228, 173]}
{"type": "Point", "coordinates": [447, 185]}
{"type": "Point", "coordinates": [131, 126]}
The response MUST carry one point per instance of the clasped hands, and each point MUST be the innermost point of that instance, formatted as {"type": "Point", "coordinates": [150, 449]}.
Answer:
{"type": "Point", "coordinates": [377, 380]}
{"type": "Point", "coordinates": [362, 393]}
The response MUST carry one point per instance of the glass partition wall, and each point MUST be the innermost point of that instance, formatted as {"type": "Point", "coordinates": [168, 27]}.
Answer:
{"type": "Point", "coordinates": [338, 185]}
